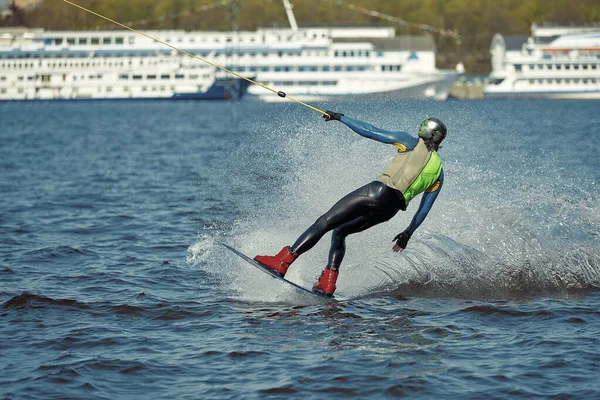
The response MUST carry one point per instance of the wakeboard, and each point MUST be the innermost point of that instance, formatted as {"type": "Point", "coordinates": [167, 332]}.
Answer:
{"type": "Point", "coordinates": [275, 275]}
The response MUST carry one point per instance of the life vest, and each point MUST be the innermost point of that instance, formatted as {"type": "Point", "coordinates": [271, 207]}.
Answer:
{"type": "Point", "coordinates": [412, 171]}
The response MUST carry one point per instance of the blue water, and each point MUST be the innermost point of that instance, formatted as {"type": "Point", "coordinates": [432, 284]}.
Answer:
{"type": "Point", "coordinates": [113, 284]}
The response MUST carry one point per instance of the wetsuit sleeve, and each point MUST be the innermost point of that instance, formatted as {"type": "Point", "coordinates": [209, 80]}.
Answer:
{"type": "Point", "coordinates": [426, 202]}
{"type": "Point", "coordinates": [383, 136]}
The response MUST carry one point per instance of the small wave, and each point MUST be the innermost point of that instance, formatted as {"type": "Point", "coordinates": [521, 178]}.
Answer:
{"type": "Point", "coordinates": [27, 300]}
{"type": "Point", "coordinates": [124, 309]}
{"type": "Point", "coordinates": [283, 390]}
{"type": "Point", "coordinates": [492, 310]}
{"type": "Point", "coordinates": [246, 354]}
{"type": "Point", "coordinates": [96, 364]}
{"type": "Point", "coordinates": [159, 311]}
{"type": "Point", "coordinates": [174, 315]}
{"type": "Point", "coordinates": [58, 252]}
{"type": "Point", "coordinates": [72, 342]}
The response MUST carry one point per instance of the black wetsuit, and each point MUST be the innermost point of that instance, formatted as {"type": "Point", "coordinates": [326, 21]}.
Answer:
{"type": "Point", "coordinates": [365, 207]}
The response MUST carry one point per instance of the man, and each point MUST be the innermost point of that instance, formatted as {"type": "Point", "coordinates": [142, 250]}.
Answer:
{"type": "Point", "coordinates": [416, 169]}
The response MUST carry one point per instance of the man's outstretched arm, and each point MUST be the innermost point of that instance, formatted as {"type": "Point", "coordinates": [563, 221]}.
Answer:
{"type": "Point", "coordinates": [371, 132]}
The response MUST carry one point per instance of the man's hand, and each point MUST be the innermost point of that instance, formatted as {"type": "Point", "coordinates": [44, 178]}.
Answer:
{"type": "Point", "coordinates": [332, 115]}
{"type": "Point", "coordinates": [401, 240]}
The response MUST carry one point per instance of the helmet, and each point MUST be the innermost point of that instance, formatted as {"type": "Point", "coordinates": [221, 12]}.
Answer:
{"type": "Point", "coordinates": [432, 129]}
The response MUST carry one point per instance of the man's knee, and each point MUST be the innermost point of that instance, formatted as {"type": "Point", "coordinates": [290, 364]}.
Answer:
{"type": "Point", "coordinates": [339, 234]}
{"type": "Point", "coordinates": [322, 223]}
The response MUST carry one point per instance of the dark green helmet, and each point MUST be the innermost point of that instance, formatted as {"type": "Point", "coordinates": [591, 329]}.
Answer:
{"type": "Point", "coordinates": [432, 129]}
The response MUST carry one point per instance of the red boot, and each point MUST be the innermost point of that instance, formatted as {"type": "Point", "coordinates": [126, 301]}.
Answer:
{"type": "Point", "coordinates": [326, 283]}
{"type": "Point", "coordinates": [279, 263]}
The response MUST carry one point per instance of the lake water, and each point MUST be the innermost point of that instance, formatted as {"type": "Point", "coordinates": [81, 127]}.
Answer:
{"type": "Point", "coordinates": [114, 285]}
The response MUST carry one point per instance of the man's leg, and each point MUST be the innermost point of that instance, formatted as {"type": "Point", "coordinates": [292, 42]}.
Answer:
{"type": "Point", "coordinates": [328, 278]}
{"type": "Point", "coordinates": [350, 207]}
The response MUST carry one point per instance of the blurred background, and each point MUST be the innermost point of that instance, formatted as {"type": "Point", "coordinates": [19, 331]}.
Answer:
{"type": "Point", "coordinates": [482, 41]}
{"type": "Point", "coordinates": [475, 21]}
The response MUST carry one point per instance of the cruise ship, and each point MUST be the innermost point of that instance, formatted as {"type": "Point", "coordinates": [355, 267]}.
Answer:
{"type": "Point", "coordinates": [307, 63]}
{"type": "Point", "coordinates": [555, 62]}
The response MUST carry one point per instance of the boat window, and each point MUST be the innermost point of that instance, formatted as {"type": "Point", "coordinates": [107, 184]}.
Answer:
{"type": "Point", "coordinates": [71, 40]}
{"type": "Point", "coordinates": [106, 40]}
{"type": "Point", "coordinates": [567, 66]}
{"type": "Point", "coordinates": [179, 76]}
{"type": "Point", "coordinates": [284, 83]}
{"type": "Point", "coordinates": [576, 66]}
{"type": "Point", "coordinates": [151, 77]}
{"type": "Point", "coordinates": [123, 76]}
{"type": "Point", "coordinates": [165, 76]}
{"type": "Point", "coordinates": [83, 41]}
{"type": "Point", "coordinates": [558, 66]}
{"type": "Point", "coordinates": [95, 41]}
{"type": "Point", "coordinates": [137, 77]}
{"type": "Point", "coordinates": [119, 40]}
{"type": "Point", "coordinates": [326, 68]}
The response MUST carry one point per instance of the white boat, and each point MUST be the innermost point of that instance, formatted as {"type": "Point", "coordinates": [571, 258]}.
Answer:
{"type": "Point", "coordinates": [39, 65]}
{"type": "Point", "coordinates": [306, 63]}
{"type": "Point", "coordinates": [555, 62]}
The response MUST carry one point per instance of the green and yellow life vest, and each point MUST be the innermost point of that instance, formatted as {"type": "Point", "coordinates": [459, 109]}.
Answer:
{"type": "Point", "coordinates": [412, 171]}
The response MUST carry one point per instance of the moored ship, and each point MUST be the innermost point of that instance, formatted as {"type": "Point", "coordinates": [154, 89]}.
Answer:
{"type": "Point", "coordinates": [555, 62]}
